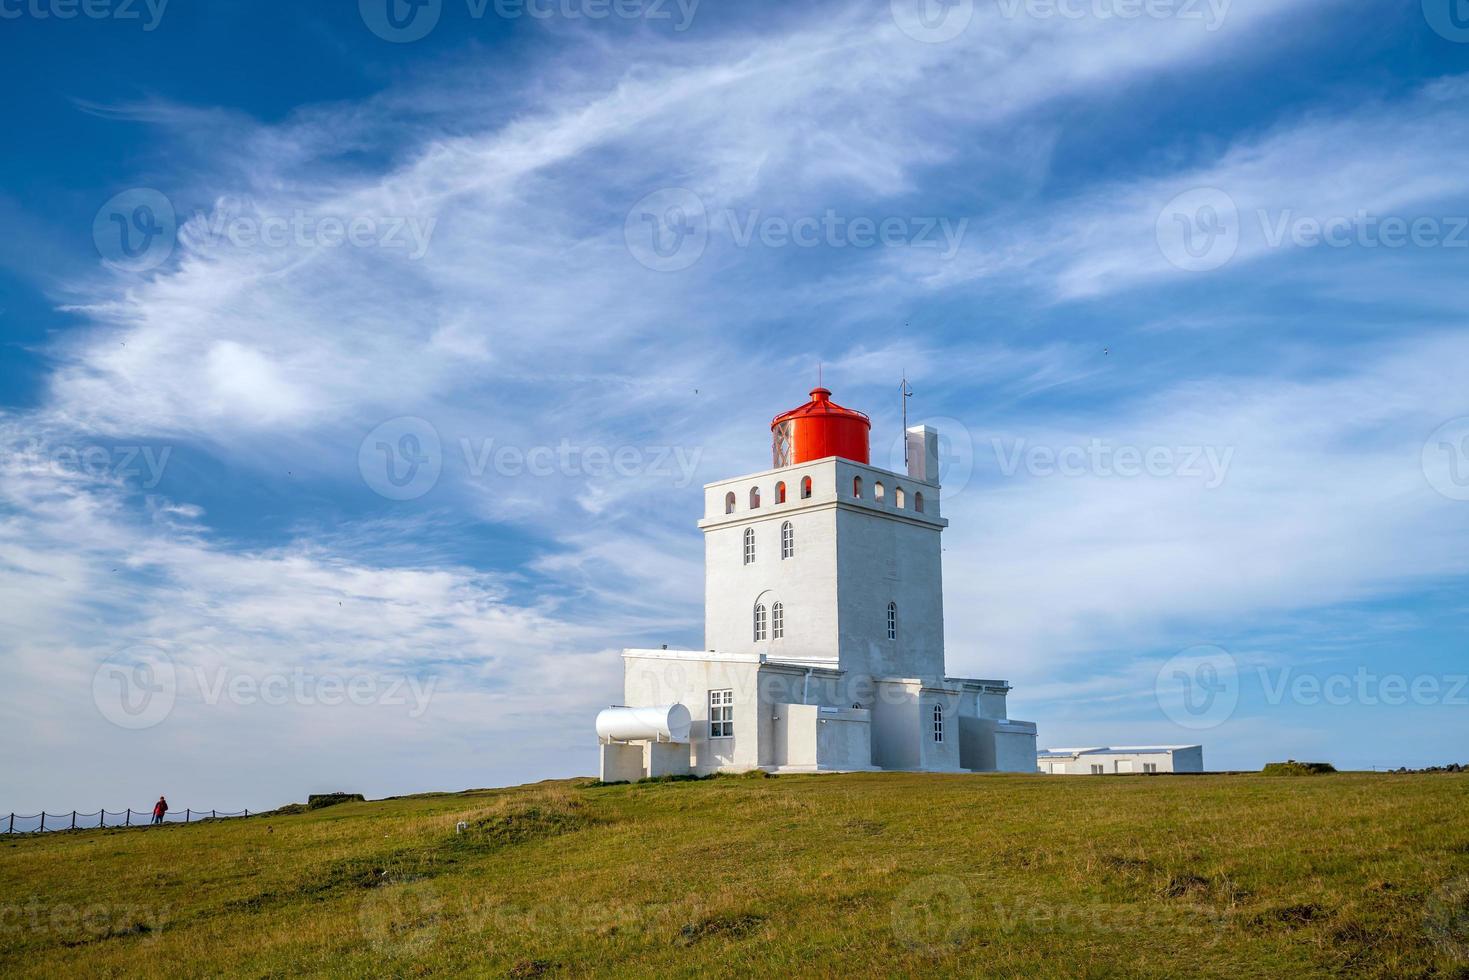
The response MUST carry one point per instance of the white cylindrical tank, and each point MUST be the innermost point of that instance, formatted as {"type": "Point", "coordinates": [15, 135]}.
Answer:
{"type": "Point", "coordinates": [665, 722]}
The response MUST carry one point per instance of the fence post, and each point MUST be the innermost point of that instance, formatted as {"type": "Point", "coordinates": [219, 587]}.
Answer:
{"type": "Point", "coordinates": [43, 819]}
{"type": "Point", "coordinates": [128, 820]}
{"type": "Point", "coordinates": [73, 820]}
{"type": "Point", "coordinates": [211, 814]}
{"type": "Point", "coordinates": [186, 816]}
{"type": "Point", "coordinates": [12, 824]}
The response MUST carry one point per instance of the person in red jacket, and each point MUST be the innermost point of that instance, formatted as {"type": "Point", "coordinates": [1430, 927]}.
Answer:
{"type": "Point", "coordinates": [159, 809]}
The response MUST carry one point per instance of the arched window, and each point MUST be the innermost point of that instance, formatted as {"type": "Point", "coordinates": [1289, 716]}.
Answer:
{"type": "Point", "coordinates": [938, 723]}
{"type": "Point", "coordinates": [898, 497]}
{"type": "Point", "coordinates": [754, 497]}
{"type": "Point", "coordinates": [857, 486]}
{"type": "Point", "coordinates": [787, 541]}
{"type": "Point", "coordinates": [780, 492]}
{"type": "Point", "coordinates": [749, 546]}
{"type": "Point", "coordinates": [892, 621]}
{"type": "Point", "coordinates": [777, 620]}
{"type": "Point", "coordinates": [729, 501]}
{"type": "Point", "coordinates": [877, 492]}
{"type": "Point", "coordinates": [759, 621]}
{"type": "Point", "coordinates": [918, 501]}
{"type": "Point", "coordinates": [805, 488]}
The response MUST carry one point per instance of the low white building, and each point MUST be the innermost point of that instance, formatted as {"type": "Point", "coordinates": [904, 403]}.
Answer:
{"type": "Point", "coordinates": [824, 626]}
{"type": "Point", "coordinates": [1104, 761]}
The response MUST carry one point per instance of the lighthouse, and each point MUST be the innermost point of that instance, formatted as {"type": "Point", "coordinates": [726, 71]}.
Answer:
{"type": "Point", "coordinates": [824, 626]}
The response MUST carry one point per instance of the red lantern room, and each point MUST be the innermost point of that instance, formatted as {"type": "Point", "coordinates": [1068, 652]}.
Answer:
{"type": "Point", "coordinates": [818, 429]}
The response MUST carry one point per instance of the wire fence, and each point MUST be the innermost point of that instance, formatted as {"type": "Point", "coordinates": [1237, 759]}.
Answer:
{"type": "Point", "coordinates": [19, 823]}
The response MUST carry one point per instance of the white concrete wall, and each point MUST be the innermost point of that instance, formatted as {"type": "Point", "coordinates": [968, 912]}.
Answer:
{"type": "Point", "coordinates": [1189, 759]}
{"type": "Point", "coordinates": [853, 555]}
{"type": "Point", "coordinates": [662, 680]}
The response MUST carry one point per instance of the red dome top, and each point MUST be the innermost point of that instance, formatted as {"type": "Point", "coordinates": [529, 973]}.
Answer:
{"type": "Point", "coordinates": [818, 429]}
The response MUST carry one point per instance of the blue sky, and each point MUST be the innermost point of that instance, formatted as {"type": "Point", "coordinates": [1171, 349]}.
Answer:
{"type": "Point", "coordinates": [1183, 285]}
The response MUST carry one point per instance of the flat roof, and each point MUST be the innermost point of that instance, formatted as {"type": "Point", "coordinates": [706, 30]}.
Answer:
{"type": "Point", "coordinates": [1117, 750]}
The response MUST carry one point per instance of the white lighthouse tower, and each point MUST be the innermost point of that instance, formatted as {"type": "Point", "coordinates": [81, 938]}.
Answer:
{"type": "Point", "coordinates": [824, 626]}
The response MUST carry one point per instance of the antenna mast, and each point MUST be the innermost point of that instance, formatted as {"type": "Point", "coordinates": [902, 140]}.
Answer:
{"type": "Point", "coordinates": [907, 393]}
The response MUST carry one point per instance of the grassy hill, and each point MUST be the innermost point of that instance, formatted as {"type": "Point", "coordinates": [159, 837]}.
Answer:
{"type": "Point", "coordinates": [872, 874]}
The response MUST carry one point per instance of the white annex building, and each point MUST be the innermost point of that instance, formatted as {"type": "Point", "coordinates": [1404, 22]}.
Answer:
{"type": "Point", "coordinates": [824, 627]}
{"type": "Point", "coordinates": [1102, 761]}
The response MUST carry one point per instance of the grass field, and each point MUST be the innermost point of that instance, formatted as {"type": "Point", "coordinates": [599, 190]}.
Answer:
{"type": "Point", "coordinates": [871, 874]}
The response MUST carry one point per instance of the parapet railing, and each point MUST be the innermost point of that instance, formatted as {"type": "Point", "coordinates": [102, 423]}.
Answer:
{"type": "Point", "coordinates": [19, 823]}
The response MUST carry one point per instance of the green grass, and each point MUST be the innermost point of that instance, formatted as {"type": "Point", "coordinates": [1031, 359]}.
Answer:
{"type": "Point", "coordinates": [872, 874]}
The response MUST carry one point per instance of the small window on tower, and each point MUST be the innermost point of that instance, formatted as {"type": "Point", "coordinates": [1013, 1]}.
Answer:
{"type": "Point", "coordinates": [892, 621]}
{"type": "Point", "coordinates": [729, 502]}
{"type": "Point", "coordinates": [918, 501]}
{"type": "Point", "coordinates": [898, 497]}
{"type": "Point", "coordinates": [787, 541]}
{"type": "Point", "coordinates": [749, 546]}
{"type": "Point", "coordinates": [777, 621]}
{"type": "Point", "coordinates": [754, 497]}
{"type": "Point", "coordinates": [878, 492]}
{"type": "Point", "coordinates": [857, 487]}
{"type": "Point", "coordinates": [780, 492]}
{"type": "Point", "coordinates": [805, 488]}
{"type": "Point", "coordinates": [759, 621]}
{"type": "Point", "coordinates": [938, 723]}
